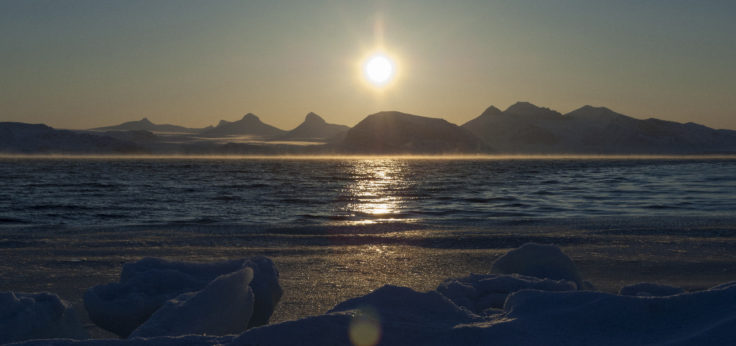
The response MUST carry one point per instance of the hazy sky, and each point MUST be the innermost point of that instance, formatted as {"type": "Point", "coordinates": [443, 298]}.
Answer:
{"type": "Point", "coordinates": [88, 63]}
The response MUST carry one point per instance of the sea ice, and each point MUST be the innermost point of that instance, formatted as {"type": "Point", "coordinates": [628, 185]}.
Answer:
{"type": "Point", "coordinates": [646, 289]}
{"type": "Point", "coordinates": [539, 260]}
{"type": "Point", "coordinates": [595, 318]}
{"type": "Point", "coordinates": [25, 316]}
{"type": "Point", "coordinates": [223, 307]}
{"type": "Point", "coordinates": [187, 340]}
{"type": "Point", "coordinates": [478, 293]}
{"type": "Point", "coordinates": [147, 284]}
{"type": "Point", "coordinates": [392, 315]}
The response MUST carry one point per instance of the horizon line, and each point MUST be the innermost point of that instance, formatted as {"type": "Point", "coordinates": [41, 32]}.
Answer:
{"type": "Point", "coordinates": [500, 157]}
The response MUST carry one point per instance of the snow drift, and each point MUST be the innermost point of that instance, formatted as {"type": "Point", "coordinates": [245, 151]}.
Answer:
{"type": "Point", "coordinates": [484, 294]}
{"type": "Point", "coordinates": [25, 316]}
{"type": "Point", "coordinates": [538, 260]}
{"type": "Point", "coordinates": [147, 284]}
{"type": "Point", "coordinates": [499, 309]}
{"type": "Point", "coordinates": [223, 307]}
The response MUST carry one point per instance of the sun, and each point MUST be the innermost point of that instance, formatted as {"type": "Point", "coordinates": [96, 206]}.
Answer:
{"type": "Point", "coordinates": [378, 69]}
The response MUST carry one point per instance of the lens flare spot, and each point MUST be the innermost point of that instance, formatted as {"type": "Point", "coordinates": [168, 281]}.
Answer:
{"type": "Point", "coordinates": [365, 328]}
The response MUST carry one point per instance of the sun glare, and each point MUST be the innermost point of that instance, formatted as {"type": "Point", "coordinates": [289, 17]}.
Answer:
{"type": "Point", "coordinates": [378, 69]}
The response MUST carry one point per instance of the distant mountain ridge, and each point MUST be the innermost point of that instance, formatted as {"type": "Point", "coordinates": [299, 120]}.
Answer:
{"type": "Point", "coordinates": [400, 133]}
{"type": "Point", "coordinates": [249, 125]}
{"type": "Point", "coordinates": [523, 129]}
{"type": "Point", "coordinates": [22, 138]}
{"type": "Point", "coordinates": [315, 128]}
{"type": "Point", "coordinates": [146, 125]}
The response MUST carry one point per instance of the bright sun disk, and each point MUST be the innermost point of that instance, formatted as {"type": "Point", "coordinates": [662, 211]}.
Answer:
{"type": "Point", "coordinates": [378, 69]}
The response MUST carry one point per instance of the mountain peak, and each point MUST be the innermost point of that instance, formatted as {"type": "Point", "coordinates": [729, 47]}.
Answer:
{"type": "Point", "coordinates": [492, 110]}
{"type": "Point", "coordinates": [313, 118]}
{"type": "Point", "coordinates": [251, 116]}
{"type": "Point", "coordinates": [522, 106]}
{"type": "Point", "coordinates": [589, 108]}
{"type": "Point", "coordinates": [526, 108]}
{"type": "Point", "coordinates": [596, 112]}
{"type": "Point", "coordinates": [146, 121]}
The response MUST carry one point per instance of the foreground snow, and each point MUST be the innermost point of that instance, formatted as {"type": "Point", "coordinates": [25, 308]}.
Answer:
{"type": "Point", "coordinates": [146, 285]}
{"type": "Point", "coordinates": [42, 315]}
{"type": "Point", "coordinates": [502, 309]}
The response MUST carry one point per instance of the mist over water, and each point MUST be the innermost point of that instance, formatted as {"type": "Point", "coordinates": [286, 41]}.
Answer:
{"type": "Point", "coordinates": [79, 192]}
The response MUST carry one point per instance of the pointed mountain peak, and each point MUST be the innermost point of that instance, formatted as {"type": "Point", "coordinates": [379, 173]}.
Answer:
{"type": "Point", "coordinates": [522, 106]}
{"type": "Point", "coordinates": [251, 116]}
{"type": "Point", "coordinates": [492, 110]}
{"type": "Point", "coordinates": [313, 118]}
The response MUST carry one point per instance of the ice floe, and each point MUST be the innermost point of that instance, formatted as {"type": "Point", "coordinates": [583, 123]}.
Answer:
{"type": "Point", "coordinates": [25, 316]}
{"type": "Point", "coordinates": [538, 260]}
{"type": "Point", "coordinates": [512, 308]}
{"type": "Point", "coordinates": [223, 307]}
{"type": "Point", "coordinates": [646, 289]}
{"type": "Point", "coordinates": [146, 285]}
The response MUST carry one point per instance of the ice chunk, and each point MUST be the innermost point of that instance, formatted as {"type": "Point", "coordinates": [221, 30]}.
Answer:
{"type": "Point", "coordinates": [188, 340]}
{"type": "Point", "coordinates": [724, 286]}
{"type": "Point", "coordinates": [223, 307]}
{"type": "Point", "coordinates": [539, 260]}
{"type": "Point", "coordinates": [266, 289]}
{"type": "Point", "coordinates": [145, 285]}
{"type": "Point", "coordinates": [645, 289]}
{"type": "Point", "coordinates": [478, 293]}
{"type": "Point", "coordinates": [390, 315]}
{"type": "Point", "coordinates": [594, 318]}
{"type": "Point", "coordinates": [25, 316]}
{"type": "Point", "coordinates": [327, 329]}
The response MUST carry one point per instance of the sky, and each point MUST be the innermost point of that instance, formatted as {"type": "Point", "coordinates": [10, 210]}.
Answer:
{"type": "Point", "coordinates": [86, 63]}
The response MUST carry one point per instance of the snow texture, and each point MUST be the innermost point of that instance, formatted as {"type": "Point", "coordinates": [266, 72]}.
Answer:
{"type": "Point", "coordinates": [398, 315]}
{"type": "Point", "coordinates": [645, 289]}
{"type": "Point", "coordinates": [188, 340]}
{"type": "Point", "coordinates": [147, 284]}
{"type": "Point", "coordinates": [594, 318]}
{"type": "Point", "coordinates": [223, 307]}
{"type": "Point", "coordinates": [530, 317]}
{"type": "Point", "coordinates": [536, 311]}
{"type": "Point", "coordinates": [25, 316]}
{"type": "Point", "coordinates": [539, 260]}
{"type": "Point", "coordinates": [484, 294]}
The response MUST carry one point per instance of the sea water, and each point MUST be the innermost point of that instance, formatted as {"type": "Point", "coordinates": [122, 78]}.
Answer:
{"type": "Point", "coordinates": [246, 191]}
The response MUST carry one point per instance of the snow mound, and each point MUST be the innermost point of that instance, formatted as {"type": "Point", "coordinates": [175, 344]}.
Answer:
{"type": "Point", "coordinates": [266, 289]}
{"type": "Point", "coordinates": [483, 294]}
{"type": "Point", "coordinates": [327, 329]}
{"type": "Point", "coordinates": [399, 316]}
{"type": "Point", "coordinates": [188, 340]}
{"type": "Point", "coordinates": [392, 315]}
{"type": "Point", "coordinates": [645, 289]}
{"type": "Point", "coordinates": [223, 307]}
{"type": "Point", "coordinates": [724, 286]}
{"type": "Point", "coordinates": [146, 285]}
{"type": "Point", "coordinates": [539, 260]}
{"type": "Point", "coordinates": [594, 318]}
{"type": "Point", "coordinates": [25, 316]}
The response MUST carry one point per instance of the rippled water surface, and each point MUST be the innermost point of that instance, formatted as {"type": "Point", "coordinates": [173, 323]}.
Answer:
{"type": "Point", "coordinates": [355, 191]}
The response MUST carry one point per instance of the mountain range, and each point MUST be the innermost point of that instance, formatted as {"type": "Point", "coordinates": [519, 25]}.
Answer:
{"type": "Point", "coordinates": [522, 128]}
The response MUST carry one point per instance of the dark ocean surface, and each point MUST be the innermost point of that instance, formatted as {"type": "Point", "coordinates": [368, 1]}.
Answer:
{"type": "Point", "coordinates": [111, 192]}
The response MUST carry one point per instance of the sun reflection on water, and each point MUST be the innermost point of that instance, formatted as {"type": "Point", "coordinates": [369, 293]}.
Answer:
{"type": "Point", "coordinates": [375, 193]}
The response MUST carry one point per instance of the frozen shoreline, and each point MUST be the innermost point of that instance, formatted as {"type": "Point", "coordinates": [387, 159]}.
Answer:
{"type": "Point", "coordinates": [322, 266]}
